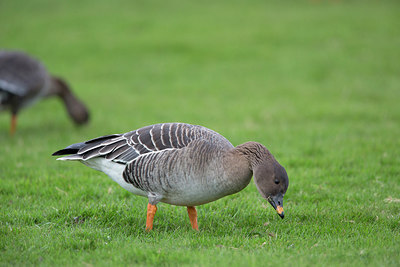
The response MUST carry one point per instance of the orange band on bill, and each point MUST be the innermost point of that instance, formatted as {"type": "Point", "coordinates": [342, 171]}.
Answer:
{"type": "Point", "coordinates": [279, 209]}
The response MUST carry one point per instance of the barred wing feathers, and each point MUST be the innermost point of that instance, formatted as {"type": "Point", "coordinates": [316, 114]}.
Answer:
{"type": "Point", "coordinates": [124, 148]}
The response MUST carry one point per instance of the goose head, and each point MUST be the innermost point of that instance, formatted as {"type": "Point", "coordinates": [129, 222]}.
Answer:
{"type": "Point", "coordinates": [270, 177]}
{"type": "Point", "coordinates": [272, 182]}
{"type": "Point", "coordinates": [75, 108]}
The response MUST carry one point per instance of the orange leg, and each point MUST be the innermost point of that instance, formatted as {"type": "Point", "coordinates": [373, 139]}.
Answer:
{"type": "Point", "coordinates": [151, 211]}
{"type": "Point", "coordinates": [13, 124]}
{"type": "Point", "coordinates": [193, 217]}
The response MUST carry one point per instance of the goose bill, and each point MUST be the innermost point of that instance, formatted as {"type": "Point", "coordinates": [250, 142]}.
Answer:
{"type": "Point", "coordinates": [273, 201]}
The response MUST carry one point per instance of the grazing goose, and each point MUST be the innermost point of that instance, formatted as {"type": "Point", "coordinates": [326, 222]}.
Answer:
{"type": "Point", "coordinates": [182, 164]}
{"type": "Point", "coordinates": [24, 80]}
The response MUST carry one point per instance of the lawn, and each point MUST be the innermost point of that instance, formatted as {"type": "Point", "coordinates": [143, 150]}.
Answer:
{"type": "Point", "coordinates": [317, 82]}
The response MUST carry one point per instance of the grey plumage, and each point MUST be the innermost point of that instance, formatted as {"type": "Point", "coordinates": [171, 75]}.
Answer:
{"type": "Point", "coordinates": [27, 82]}
{"type": "Point", "coordinates": [24, 80]}
{"type": "Point", "coordinates": [124, 148]}
{"type": "Point", "coordinates": [180, 164]}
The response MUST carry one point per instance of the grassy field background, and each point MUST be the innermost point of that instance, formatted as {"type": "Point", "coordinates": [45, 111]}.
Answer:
{"type": "Point", "coordinates": [317, 82]}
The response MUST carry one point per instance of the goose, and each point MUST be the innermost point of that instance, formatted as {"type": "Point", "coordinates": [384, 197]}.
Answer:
{"type": "Point", "coordinates": [24, 80]}
{"type": "Point", "coordinates": [181, 164]}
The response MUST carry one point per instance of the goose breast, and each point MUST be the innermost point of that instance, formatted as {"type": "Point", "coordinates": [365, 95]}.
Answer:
{"type": "Point", "coordinates": [197, 174]}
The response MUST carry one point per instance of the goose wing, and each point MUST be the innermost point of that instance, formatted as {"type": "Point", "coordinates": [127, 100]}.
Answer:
{"type": "Point", "coordinates": [124, 148]}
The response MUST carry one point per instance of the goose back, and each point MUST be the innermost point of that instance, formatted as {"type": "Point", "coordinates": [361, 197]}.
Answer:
{"type": "Point", "coordinates": [124, 148]}
{"type": "Point", "coordinates": [22, 80]}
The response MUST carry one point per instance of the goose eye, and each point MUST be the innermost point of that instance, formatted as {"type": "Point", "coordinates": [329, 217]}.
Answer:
{"type": "Point", "coordinates": [276, 181]}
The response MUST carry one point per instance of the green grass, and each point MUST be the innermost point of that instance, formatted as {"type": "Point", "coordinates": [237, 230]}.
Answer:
{"type": "Point", "coordinates": [317, 82]}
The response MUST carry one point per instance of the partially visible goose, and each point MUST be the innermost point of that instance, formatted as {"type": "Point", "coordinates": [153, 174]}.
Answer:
{"type": "Point", "coordinates": [24, 80]}
{"type": "Point", "coordinates": [182, 164]}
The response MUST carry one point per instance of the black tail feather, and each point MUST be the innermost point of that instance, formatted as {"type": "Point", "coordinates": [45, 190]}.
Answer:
{"type": "Point", "coordinates": [72, 149]}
